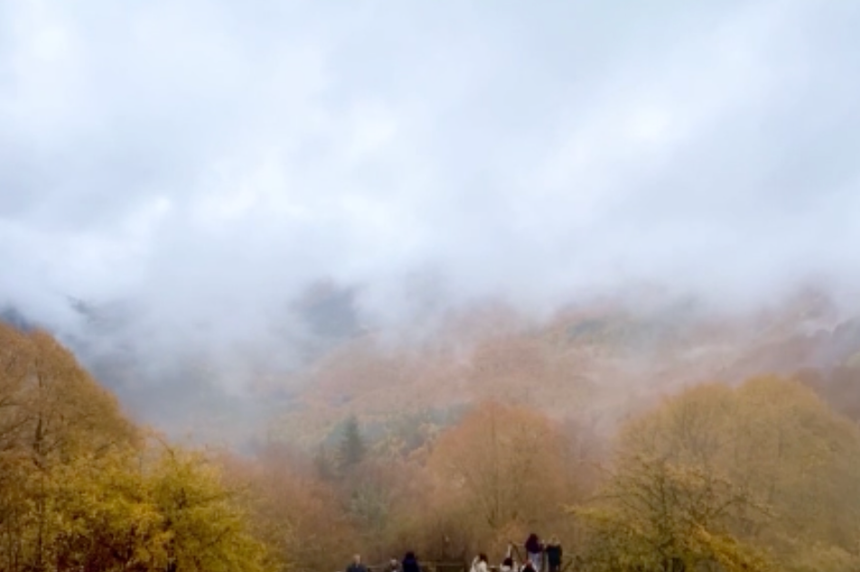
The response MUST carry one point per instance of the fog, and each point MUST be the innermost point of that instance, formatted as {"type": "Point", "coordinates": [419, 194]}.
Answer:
{"type": "Point", "coordinates": [197, 166]}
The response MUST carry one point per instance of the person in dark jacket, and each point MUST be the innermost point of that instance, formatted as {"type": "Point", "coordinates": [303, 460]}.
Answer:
{"type": "Point", "coordinates": [410, 563]}
{"type": "Point", "coordinates": [553, 554]}
{"type": "Point", "coordinates": [356, 565]}
{"type": "Point", "coordinates": [534, 551]}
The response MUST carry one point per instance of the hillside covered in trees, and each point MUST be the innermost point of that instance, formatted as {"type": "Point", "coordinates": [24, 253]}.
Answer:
{"type": "Point", "coordinates": [672, 441]}
{"type": "Point", "coordinates": [595, 363]}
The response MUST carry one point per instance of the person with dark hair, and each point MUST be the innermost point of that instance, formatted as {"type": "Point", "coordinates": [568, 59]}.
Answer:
{"type": "Point", "coordinates": [534, 551]}
{"type": "Point", "coordinates": [410, 563]}
{"type": "Point", "coordinates": [356, 565]}
{"type": "Point", "coordinates": [508, 564]}
{"type": "Point", "coordinates": [479, 564]}
{"type": "Point", "coordinates": [553, 554]}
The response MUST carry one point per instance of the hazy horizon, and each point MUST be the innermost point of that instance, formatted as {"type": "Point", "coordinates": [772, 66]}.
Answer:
{"type": "Point", "coordinates": [204, 163]}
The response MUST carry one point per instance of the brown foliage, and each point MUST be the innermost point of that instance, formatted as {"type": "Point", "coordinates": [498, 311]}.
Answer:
{"type": "Point", "coordinates": [295, 514]}
{"type": "Point", "coordinates": [509, 468]}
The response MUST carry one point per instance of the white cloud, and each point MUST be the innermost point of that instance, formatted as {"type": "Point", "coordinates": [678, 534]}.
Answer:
{"type": "Point", "coordinates": [203, 155]}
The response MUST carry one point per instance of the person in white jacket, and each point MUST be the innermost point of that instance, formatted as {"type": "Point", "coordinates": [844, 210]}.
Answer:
{"type": "Point", "coordinates": [508, 564]}
{"type": "Point", "coordinates": [479, 564]}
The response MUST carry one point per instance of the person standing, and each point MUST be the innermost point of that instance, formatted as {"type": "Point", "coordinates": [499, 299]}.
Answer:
{"type": "Point", "coordinates": [554, 554]}
{"type": "Point", "coordinates": [356, 565]}
{"type": "Point", "coordinates": [534, 551]}
{"type": "Point", "coordinates": [508, 564]}
{"type": "Point", "coordinates": [410, 563]}
{"type": "Point", "coordinates": [479, 564]}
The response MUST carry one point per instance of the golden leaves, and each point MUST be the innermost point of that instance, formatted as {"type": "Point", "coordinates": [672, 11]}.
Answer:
{"type": "Point", "coordinates": [716, 471]}
{"type": "Point", "coordinates": [79, 488]}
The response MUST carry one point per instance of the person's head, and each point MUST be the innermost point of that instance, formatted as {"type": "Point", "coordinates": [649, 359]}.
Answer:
{"type": "Point", "coordinates": [533, 537]}
{"type": "Point", "coordinates": [356, 558]}
{"type": "Point", "coordinates": [393, 562]}
{"type": "Point", "coordinates": [554, 540]}
{"type": "Point", "coordinates": [409, 556]}
{"type": "Point", "coordinates": [482, 557]}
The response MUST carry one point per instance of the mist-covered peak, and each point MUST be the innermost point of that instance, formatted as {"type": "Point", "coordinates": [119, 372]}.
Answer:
{"type": "Point", "coordinates": [15, 318]}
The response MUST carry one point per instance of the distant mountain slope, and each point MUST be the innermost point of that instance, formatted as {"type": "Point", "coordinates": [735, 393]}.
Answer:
{"type": "Point", "coordinates": [596, 362]}
{"type": "Point", "coordinates": [15, 318]}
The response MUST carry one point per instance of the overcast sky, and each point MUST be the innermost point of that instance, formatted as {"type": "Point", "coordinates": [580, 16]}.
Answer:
{"type": "Point", "coordinates": [199, 154]}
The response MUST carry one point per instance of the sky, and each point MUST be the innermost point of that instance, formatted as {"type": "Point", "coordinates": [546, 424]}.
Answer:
{"type": "Point", "coordinates": [210, 159]}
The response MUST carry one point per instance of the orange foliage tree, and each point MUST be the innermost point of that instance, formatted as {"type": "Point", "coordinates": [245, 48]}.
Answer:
{"type": "Point", "coordinates": [507, 470]}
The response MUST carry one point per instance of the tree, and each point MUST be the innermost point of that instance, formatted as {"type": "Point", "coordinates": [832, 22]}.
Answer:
{"type": "Point", "coordinates": [51, 412]}
{"type": "Point", "coordinates": [507, 466]}
{"type": "Point", "coordinates": [104, 514]}
{"type": "Point", "coordinates": [719, 475]}
{"type": "Point", "coordinates": [80, 489]}
{"type": "Point", "coordinates": [324, 464]}
{"type": "Point", "coordinates": [297, 515]}
{"type": "Point", "coordinates": [207, 531]}
{"type": "Point", "coordinates": [653, 514]}
{"type": "Point", "coordinates": [352, 447]}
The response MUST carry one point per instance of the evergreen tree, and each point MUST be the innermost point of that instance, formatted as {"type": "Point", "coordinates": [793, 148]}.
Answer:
{"type": "Point", "coordinates": [324, 464]}
{"type": "Point", "coordinates": [352, 446]}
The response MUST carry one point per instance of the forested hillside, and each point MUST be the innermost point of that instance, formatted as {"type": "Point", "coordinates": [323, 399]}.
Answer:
{"type": "Point", "coordinates": [595, 363]}
{"type": "Point", "coordinates": [386, 286]}
{"type": "Point", "coordinates": [667, 441]}
{"type": "Point", "coordinates": [83, 488]}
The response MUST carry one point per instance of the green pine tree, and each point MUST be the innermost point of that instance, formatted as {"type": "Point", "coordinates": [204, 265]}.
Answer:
{"type": "Point", "coordinates": [352, 447]}
{"type": "Point", "coordinates": [324, 464]}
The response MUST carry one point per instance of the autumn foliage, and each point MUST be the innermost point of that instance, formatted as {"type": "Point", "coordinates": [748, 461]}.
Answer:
{"type": "Point", "coordinates": [509, 469]}
{"type": "Point", "coordinates": [752, 478]}
{"type": "Point", "coordinates": [758, 476]}
{"type": "Point", "coordinates": [81, 488]}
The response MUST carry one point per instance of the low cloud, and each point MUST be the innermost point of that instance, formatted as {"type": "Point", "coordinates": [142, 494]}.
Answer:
{"type": "Point", "coordinates": [206, 162]}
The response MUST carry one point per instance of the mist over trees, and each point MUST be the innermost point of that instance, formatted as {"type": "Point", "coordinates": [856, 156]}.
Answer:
{"type": "Point", "coordinates": [757, 474]}
{"type": "Point", "coordinates": [286, 282]}
{"type": "Point", "coordinates": [83, 488]}
{"type": "Point", "coordinates": [352, 449]}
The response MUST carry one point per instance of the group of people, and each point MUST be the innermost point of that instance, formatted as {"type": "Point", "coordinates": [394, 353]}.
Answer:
{"type": "Point", "coordinates": [540, 557]}
{"type": "Point", "coordinates": [409, 564]}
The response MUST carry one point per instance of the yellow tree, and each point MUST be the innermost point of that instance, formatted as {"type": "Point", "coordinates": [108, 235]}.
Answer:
{"type": "Point", "coordinates": [653, 514]}
{"type": "Point", "coordinates": [775, 461]}
{"type": "Point", "coordinates": [80, 490]}
{"type": "Point", "coordinates": [103, 514]}
{"type": "Point", "coordinates": [16, 359]}
{"type": "Point", "coordinates": [51, 410]}
{"type": "Point", "coordinates": [792, 451]}
{"type": "Point", "coordinates": [206, 528]}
